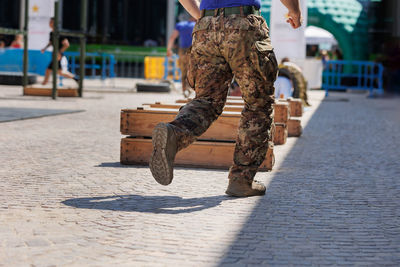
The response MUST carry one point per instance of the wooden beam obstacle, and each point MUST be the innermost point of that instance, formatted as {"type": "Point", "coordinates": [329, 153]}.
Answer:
{"type": "Point", "coordinates": [281, 112]}
{"type": "Point", "coordinates": [211, 150]}
{"type": "Point", "coordinates": [45, 91]}
{"type": "Point", "coordinates": [214, 155]}
{"type": "Point", "coordinates": [141, 122]}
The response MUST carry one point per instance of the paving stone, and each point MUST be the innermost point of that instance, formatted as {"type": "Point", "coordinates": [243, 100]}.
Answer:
{"type": "Point", "coordinates": [332, 199]}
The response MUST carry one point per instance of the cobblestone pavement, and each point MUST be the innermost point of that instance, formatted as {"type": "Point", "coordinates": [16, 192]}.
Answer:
{"type": "Point", "coordinates": [332, 199]}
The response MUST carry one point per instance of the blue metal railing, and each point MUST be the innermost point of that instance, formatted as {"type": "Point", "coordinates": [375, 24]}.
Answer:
{"type": "Point", "coordinates": [359, 75]}
{"type": "Point", "coordinates": [171, 68]}
{"type": "Point", "coordinates": [101, 64]}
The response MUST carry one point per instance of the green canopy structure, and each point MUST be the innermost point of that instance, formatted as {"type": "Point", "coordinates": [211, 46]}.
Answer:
{"type": "Point", "coordinates": [345, 19]}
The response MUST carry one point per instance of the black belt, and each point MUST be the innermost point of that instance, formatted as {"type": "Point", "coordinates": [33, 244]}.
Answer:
{"type": "Point", "coordinates": [236, 10]}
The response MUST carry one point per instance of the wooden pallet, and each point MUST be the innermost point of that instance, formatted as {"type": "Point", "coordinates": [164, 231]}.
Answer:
{"type": "Point", "coordinates": [214, 155]}
{"type": "Point", "coordinates": [141, 122]}
{"type": "Point", "coordinates": [42, 91]}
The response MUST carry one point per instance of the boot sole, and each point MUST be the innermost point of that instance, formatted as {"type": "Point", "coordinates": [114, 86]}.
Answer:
{"type": "Point", "coordinates": [159, 164]}
{"type": "Point", "coordinates": [256, 193]}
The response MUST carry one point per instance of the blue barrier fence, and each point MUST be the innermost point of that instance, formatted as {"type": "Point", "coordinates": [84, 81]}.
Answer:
{"type": "Point", "coordinates": [101, 64]}
{"type": "Point", "coordinates": [11, 60]}
{"type": "Point", "coordinates": [358, 75]}
{"type": "Point", "coordinates": [171, 68]}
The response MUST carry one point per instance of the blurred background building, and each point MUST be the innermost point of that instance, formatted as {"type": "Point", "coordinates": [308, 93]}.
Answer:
{"type": "Point", "coordinates": [360, 29]}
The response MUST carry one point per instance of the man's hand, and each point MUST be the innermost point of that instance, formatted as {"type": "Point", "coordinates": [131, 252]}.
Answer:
{"type": "Point", "coordinates": [59, 56]}
{"type": "Point", "coordinates": [169, 53]}
{"type": "Point", "coordinates": [294, 15]}
{"type": "Point", "coordinates": [294, 19]}
{"type": "Point", "coordinates": [42, 51]}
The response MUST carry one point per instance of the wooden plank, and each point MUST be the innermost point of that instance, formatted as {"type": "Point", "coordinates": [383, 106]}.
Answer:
{"type": "Point", "coordinates": [295, 104]}
{"type": "Point", "coordinates": [214, 155]}
{"type": "Point", "coordinates": [281, 133]}
{"type": "Point", "coordinates": [179, 105]}
{"type": "Point", "coordinates": [228, 102]}
{"type": "Point", "coordinates": [294, 127]}
{"type": "Point", "coordinates": [142, 122]}
{"type": "Point", "coordinates": [37, 91]}
{"type": "Point", "coordinates": [281, 109]}
{"type": "Point", "coordinates": [231, 97]}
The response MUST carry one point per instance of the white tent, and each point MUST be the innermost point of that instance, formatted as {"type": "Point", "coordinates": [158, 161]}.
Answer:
{"type": "Point", "coordinates": [316, 36]}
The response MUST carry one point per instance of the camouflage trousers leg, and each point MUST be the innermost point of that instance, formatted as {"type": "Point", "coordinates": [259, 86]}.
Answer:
{"type": "Point", "coordinates": [237, 46]}
{"type": "Point", "coordinates": [210, 75]}
{"type": "Point", "coordinates": [255, 71]}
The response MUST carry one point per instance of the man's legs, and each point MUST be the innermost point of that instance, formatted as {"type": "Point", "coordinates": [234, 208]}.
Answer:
{"type": "Point", "coordinates": [60, 72]}
{"type": "Point", "coordinates": [66, 74]}
{"type": "Point", "coordinates": [46, 76]}
{"type": "Point", "coordinates": [254, 65]}
{"type": "Point", "coordinates": [210, 75]}
{"type": "Point", "coordinates": [183, 63]}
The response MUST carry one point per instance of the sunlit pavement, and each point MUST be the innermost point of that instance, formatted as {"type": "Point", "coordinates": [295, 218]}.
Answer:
{"type": "Point", "coordinates": [333, 197]}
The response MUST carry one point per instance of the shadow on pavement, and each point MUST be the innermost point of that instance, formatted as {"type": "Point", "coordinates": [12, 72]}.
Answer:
{"type": "Point", "coordinates": [335, 198]}
{"type": "Point", "coordinates": [147, 204]}
{"type": "Point", "coordinates": [8, 114]}
{"type": "Point", "coordinates": [112, 165]}
{"type": "Point", "coordinates": [146, 166]}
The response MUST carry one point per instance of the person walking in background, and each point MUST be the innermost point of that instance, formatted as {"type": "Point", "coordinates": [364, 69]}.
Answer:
{"type": "Point", "coordinates": [18, 42]}
{"type": "Point", "coordinates": [230, 38]}
{"type": "Point", "coordinates": [183, 30]}
{"type": "Point", "coordinates": [63, 46]}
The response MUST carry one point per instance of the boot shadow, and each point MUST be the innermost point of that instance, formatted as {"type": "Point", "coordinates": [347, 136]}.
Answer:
{"type": "Point", "coordinates": [147, 204]}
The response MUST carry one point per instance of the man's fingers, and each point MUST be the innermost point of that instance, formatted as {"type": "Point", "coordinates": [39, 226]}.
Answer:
{"type": "Point", "coordinates": [294, 20]}
{"type": "Point", "coordinates": [291, 22]}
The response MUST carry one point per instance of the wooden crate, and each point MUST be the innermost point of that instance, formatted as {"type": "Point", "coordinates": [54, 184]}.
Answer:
{"type": "Point", "coordinates": [214, 155]}
{"type": "Point", "coordinates": [281, 112]}
{"type": "Point", "coordinates": [38, 91]}
{"type": "Point", "coordinates": [296, 107]}
{"type": "Point", "coordinates": [141, 122]}
{"type": "Point", "coordinates": [281, 133]}
{"type": "Point", "coordinates": [294, 127]}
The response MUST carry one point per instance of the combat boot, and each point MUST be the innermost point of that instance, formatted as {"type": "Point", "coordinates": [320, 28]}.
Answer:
{"type": "Point", "coordinates": [164, 150]}
{"type": "Point", "coordinates": [244, 188]}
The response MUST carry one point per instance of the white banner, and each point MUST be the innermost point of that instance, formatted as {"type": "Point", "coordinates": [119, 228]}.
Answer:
{"type": "Point", "coordinates": [40, 12]}
{"type": "Point", "coordinates": [287, 42]}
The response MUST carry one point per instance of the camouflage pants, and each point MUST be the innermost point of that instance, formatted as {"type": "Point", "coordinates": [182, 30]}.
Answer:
{"type": "Point", "coordinates": [223, 47]}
